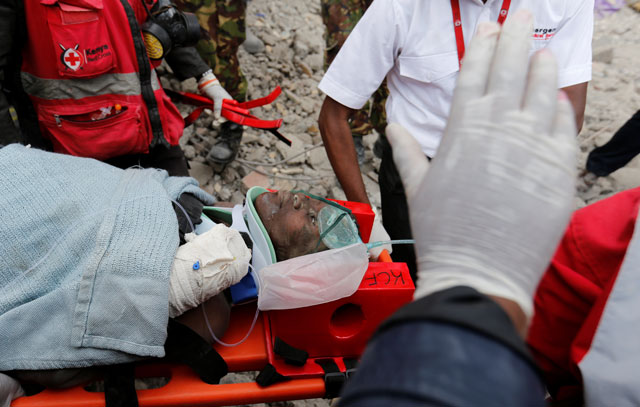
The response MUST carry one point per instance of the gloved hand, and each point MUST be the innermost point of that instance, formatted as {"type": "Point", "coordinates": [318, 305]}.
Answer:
{"type": "Point", "coordinates": [378, 234]}
{"type": "Point", "coordinates": [496, 199]}
{"type": "Point", "coordinates": [205, 266]}
{"type": "Point", "coordinates": [210, 86]}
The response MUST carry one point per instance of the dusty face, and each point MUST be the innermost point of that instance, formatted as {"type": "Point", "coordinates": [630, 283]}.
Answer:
{"type": "Point", "coordinates": [291, 221]}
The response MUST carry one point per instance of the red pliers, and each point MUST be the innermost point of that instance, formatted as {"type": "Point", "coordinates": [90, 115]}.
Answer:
{"type": "Point", "coordinates": [232, 110]}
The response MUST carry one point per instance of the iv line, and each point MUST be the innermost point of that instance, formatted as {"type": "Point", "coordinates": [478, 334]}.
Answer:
{"type": "Point", "coordinates": [372, 245]}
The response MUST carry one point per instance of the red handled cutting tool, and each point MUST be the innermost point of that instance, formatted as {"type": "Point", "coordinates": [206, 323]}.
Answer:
{"type": "Point", "coordinates": [232, 110]}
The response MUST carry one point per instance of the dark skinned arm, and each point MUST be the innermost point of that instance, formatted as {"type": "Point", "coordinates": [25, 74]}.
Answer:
{"type": "Point", "coordinates": [578, 97]}
{"type": "Point", "coordinates": [515, 313]}
{"type": "Point", "coordinates": [338, 142]}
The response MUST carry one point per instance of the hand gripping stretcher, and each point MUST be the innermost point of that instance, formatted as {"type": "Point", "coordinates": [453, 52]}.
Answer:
{"type": "Point", "coordinates": [331, 337]}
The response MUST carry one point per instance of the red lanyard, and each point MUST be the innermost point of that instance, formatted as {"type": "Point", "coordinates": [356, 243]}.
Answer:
{"type": "Point", "coordinates": [457, 23]}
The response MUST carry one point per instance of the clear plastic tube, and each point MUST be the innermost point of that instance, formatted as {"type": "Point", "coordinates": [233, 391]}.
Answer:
{"type": "Point", "coordinates": [204, 312]}
{"type": "Point", "coordinates": [186, 215]}
{"type": "Point", "coordinates": [372, 245]}
{"type": "Point", "coordinates": [253, 323]}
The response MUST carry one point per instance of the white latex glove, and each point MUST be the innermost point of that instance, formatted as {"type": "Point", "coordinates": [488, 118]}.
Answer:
{"type": "Point", "coordinates": [210, 86]}
{"type": "Point", "coordinates": [496, 199]}
{"type": "Point", "coordinates": [205, 266]}
{"type": "Point", "coordinates": [9, 390]}
{"type": "Point", "coordinates": [378, 234]}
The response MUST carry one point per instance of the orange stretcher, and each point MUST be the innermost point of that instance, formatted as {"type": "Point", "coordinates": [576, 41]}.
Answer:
{"type": "Point", "coordinates": [186, 389]}
{"type": "Point", "coordinates": [336, 331]}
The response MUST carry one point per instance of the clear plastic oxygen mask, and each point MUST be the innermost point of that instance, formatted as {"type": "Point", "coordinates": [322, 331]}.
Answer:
{"type": "Point", "coordinates": [338, 227]}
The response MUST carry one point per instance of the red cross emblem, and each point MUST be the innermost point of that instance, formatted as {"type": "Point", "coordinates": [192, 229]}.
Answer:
{"type": "Point", "coordinates": [71, 58]}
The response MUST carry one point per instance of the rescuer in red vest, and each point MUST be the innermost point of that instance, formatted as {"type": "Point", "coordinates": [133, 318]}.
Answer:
{"type": "Point", "coordinates": [80, 74]}
{"type": "Point", "coordinates": [582, 334]}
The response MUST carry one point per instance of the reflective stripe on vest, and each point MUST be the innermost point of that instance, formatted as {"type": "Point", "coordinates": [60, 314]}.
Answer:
{"type": "Point", "coordinates": [126, 84]}
{"type": "Point", "coordinates": [609, 369]}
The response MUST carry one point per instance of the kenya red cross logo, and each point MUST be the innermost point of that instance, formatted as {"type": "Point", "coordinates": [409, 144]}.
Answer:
{"type": "Point", "coordinates": [71, 58]}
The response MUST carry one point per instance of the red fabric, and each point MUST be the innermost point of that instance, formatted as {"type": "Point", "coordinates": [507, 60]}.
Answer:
{"type": "Point", "coordinates": [572, 293]}
{"type": "Point", "coordinates": [457, 24]}
{"type": "Point", "coordinates": [76, 44]}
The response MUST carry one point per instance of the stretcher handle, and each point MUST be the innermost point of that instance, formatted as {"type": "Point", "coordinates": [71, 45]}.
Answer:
{"type": "Point", "coordinates": [250, 104]}
{"type": "Point", "coordinates": [232, 110]}
{"type": "Point", "coordinates": [189, 98]}
{"type": "Point", "coordinates": [251, 121]}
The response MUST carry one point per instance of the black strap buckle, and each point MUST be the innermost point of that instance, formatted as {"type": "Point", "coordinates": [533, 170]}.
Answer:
{"type": "Point", "coordinates": [334, 379]}
{"type": "Point", "coordinates": [350, 373]}
{"type": "Point", "coordinates": [333, 383]}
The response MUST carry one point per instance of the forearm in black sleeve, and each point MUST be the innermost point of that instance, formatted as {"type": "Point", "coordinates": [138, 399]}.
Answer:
{"type": "Point", "coordinates": [9, 132]}
{"type": "Point", "coordinates": [467, 308]}
{"type": "Point", "coordinates": [453, 347]}
{"type": "Point", "coordinates": [186, 63]}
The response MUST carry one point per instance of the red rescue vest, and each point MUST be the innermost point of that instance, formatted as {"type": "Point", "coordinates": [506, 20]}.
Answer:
{"type": "Point", "coordinates": [90, 80]}
{"type": "Point", "coordinates": [573, 306]}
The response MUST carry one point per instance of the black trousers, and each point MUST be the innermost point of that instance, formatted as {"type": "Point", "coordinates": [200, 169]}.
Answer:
{"type": "Point", "coordinates": [617, 152]}
{"type": "Point", "coordinates": [171, 159]}
{"type": "Point", "coordinates": [395, 212]}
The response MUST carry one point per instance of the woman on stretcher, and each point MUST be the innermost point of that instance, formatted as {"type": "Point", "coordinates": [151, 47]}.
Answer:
{"type": "Point", "coordinates": [90, 259]}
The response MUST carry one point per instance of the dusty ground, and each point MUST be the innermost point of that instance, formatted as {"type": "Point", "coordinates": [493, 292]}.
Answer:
{"type": "Point", "coordinates": [292, 32]}
{"type": "Point", "coordinates": [614, 96]}
{"type": "Point", "coordinates": [293, 59]}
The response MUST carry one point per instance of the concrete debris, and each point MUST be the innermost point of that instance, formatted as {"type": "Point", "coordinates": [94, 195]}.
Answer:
{"type": "Point", "coordinates": [201, 172]}
{"type": "Point", "coordinates": [289, 54]}
{"type": "Point", "coordinates": [254, 179]}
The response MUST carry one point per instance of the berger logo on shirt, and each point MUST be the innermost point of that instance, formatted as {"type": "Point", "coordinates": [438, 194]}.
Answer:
{"type": "Point", "coordinates": [544, 33]}
{"type": "Point", "coordinates": [71, 58]}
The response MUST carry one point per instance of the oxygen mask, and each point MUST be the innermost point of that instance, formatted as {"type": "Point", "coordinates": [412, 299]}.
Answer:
{"type": "Point", "coordinates": [338, 227]}
{"type": "Point", "coordinates": [336, 224]}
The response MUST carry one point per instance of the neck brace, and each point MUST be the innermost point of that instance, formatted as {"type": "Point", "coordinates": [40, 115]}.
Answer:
{"type": "Point", "coordinates": [302, 281]}
{"type": "Point", "coordinates": [261, 240]}
{"type": "Point", "coordinates": [245, 219]}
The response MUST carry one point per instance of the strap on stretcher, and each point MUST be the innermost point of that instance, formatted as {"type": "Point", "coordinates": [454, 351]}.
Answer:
{"type": "Point", "coordinates": [237, 112]}
{"type": "Point", "coordinates": [334, 378]}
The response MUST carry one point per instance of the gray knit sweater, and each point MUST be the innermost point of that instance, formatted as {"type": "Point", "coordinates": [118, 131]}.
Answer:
{"type": "Point", "coordinates": [85, 255]}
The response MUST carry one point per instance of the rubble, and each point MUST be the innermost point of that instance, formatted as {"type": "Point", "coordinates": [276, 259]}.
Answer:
{"type": "Point", "coordinates": [287, 51]}
{"type": "Point", "coordinates": [613, 97]}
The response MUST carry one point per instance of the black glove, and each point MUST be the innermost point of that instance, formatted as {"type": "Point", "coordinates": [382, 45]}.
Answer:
{"type": "Point", "coordinates": [193, 206]}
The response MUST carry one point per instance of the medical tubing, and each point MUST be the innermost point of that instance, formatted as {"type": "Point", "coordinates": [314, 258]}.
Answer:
{"type": "Point", "coordinates": [372, 245]}
{"type": "Point", "coordinates": [271, 175]}
{"type": "Point", "coordinates": [253, 323]}
{"type": "Point", "coordinates": [186, 215]}
{"type": "Point", "coordinates": [204, 312]}
{"type": "Point", "coordinates": [264, 164]}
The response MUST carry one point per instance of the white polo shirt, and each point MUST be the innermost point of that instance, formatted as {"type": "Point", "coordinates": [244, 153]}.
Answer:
{"type": "Point", "coordinates": [412, 43]}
